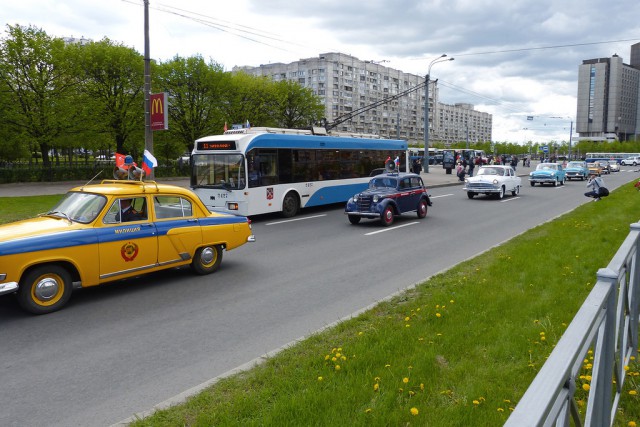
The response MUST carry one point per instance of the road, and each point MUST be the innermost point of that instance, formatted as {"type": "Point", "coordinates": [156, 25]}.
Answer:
{"type": "Point", "coordinates": [120, 349]}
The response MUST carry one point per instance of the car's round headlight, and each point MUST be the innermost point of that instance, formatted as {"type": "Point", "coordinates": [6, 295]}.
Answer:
{"type": "Point", "coordinates": [466, 180]}
{"type": "Point", "coordinates": [376, 198]}
{"type": "Point", "coordinates": [355, 198]}
{"type": "Point", "coordinates": [495, 182]}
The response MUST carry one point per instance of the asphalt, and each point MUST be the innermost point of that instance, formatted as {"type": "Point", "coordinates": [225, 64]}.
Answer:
{"type": "Point", "coordinates": [437, 177]}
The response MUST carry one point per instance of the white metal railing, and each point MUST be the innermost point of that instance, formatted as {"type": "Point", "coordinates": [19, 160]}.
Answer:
{"type": "Point", "coordinates": [606, 323]}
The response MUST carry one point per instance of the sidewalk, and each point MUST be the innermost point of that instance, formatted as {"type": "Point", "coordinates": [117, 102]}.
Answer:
{"type": "Point", "coordinates": [437, 177]}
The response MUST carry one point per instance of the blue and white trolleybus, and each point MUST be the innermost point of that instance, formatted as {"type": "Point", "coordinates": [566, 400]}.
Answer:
{"type": "Point", "coordinates": [261, 170]}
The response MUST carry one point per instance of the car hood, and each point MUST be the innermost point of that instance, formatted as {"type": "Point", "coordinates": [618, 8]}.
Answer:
{"type": "Point", "coordinates": [544, 173]}
{"type": "Point", "coordinates": [483, 178]}
{"type": "Point", "coordinates": [378, 191]}
{"type": "Point", "coordinates": [36, 227]}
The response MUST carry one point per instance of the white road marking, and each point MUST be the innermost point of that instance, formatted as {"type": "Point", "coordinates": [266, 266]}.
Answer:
{"type": "Point", "coordinates": [443, 195]}
{"type": "Point", "coordinates": [295, 219]}
{"type": "Point", "coordinates": [390, 228]}
{"type": "Point", "coordinates": [510, 199]}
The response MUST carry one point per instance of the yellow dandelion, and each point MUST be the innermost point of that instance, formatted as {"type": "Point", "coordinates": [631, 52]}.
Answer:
{"type": "Point", "coordinates": [387, 366]}
{"type": "Point", "coordinates": [421, 386]}
{"type": "Point", "coordinates": [632, 358]}
{"type": "Point", "coordinates": [586, 387]}
{"type": "Point", "coordinates": [414, 411]}
{"type": "Point", "coordinates": [320, 378]}
{"type": "Point", "coordinates": [412, 393]}
{"type": "Point", "coordinates": [376, 387]}
{"type": "Point", "coordinates": [333, 359]}
{"type": "Point", "coordinates": [633, 392]}
{"type": "Point", "coordinates": [327, 357]}
{"type": "Point", "coordinates": [500, 410]}
{"type": "Point", "coordinates": [543, 338]}
{"type": "Point", "coordinates": [360, 333]}
{"type": "Point", "coordinates": [631, 424]}
{"type": "Point", "coordinates": [368, 410]}
{"type": "Point", "coordinates": [475, 402]}
{"type": "Point", "coordinates": [338, 354]}
{"type": "Point", "coordinates": [541, 333]}
{"type": "Point", "coordinates": [506, 401]}
{"type": "Point", "coordinates": [406, 319]}
{"type": "Point", "coordinates": [438, 315]}
{"type": "Point", "coordinates": [376, 379]}
{"type": "Point", "coordinates": [337, 367]}
{"type": "Point", "coordinates": [405, 380]}
{"type": "Point", "coordinates": [626, 368]}
{"type": "Point", "coordinates": [451, 301]}
{"type": "Point", "coordinates": [407, 325]}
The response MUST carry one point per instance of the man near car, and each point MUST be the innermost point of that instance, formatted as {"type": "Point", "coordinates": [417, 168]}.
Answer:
{"type": "Point", "coordinates": [596, 184]}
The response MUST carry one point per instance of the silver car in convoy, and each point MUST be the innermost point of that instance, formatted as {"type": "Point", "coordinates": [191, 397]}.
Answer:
{"type": "Point", "coordinates": [493, 180]}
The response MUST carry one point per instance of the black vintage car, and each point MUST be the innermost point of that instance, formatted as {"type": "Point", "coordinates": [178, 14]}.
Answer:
{"type": "Point", "coordinates": [389, 195]}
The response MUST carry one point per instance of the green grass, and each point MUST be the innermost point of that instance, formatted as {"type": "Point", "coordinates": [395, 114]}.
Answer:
{"type": "Point", "coordinates": [461, 348]}
{"type": "Point", "coordinates": [15, 208]}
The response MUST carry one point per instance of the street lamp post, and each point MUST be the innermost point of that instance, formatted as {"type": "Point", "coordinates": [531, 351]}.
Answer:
{"type": "Point", "coordinates": [425, 161]}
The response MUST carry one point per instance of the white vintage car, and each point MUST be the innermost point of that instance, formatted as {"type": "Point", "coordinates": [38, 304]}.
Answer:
{"type": "Point", "coordinates": [494, 180]}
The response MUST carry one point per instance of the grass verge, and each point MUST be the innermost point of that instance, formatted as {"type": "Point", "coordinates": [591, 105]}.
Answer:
{"type": "Point", "coordinates": [459, 349]}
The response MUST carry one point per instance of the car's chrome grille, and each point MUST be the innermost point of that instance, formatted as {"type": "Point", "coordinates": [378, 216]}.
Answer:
{"type": "Point", "coordinates": [364, 203]}
{"type": "Point", "coordinates": [479, 186]}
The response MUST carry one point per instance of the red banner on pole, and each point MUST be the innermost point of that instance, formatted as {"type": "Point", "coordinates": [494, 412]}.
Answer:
{"type": "Point", "coordinates": [159, 110]}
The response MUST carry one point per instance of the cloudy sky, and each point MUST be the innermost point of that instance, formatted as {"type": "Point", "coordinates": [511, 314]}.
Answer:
{"type": "Point", "coordinates": [513, 58]}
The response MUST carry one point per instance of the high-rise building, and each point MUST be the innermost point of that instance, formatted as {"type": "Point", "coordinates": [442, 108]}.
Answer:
{"type": "Point", "coordinates": [608, 97]}
{"type": "Point", "coordinates": [346, 84]}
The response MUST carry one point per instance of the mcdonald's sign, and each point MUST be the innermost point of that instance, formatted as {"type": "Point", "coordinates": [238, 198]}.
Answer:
{"type": "Point", "coordinates": [159, 111]}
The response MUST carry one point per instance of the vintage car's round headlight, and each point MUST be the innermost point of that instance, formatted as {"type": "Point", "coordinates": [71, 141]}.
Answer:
{"type": "Point", "coordinates": [466, 180]}
{"type": "Point", "coordinates": [376, 198]}
{"type": "Point", "coordinates": [355, 198]}
{"type": "Point", "coordinates": [495, 181]}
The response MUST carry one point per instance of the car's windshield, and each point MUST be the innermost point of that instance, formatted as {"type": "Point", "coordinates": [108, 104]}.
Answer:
{"type": "Point", "coordinates": [218, 171]}
{"type": "Point", "coordinates": [491, 171]}
{"type": "Point", "coordinates": [383, 182]}
{"type": "Point", "coordinates": [80, 207]}
{"type": "Point", "coordinates": [547, 166]}
{"type": "Point", "coordinates": [575, 165]}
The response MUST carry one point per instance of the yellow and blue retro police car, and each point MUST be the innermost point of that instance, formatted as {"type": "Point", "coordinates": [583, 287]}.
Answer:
{"type": "Point", "coordinates": [109, 231]}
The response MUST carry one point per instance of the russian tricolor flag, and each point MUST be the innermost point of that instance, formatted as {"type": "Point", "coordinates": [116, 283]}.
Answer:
{"type": "Point", "coordinates": [148, 162]}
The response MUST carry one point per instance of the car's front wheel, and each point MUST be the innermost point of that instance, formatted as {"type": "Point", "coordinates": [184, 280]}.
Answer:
{"type": "Point", "coordinates": [533, 184]}
{"type": "Point", "coordinates": [422, 208]}
{"type": "Point", "coordinates": [470, 194]}
{"type": "Point", "coordinates": [207, 259]}
{"type": "Point", "coordinates": [387, 216]}
{"type": "Point", "coordinates": [515, 191]}
{"type": "Point", "coordinates": [354, 219]}
{"type": "Point", "coordinates": [501, 193]}
{"type": "Point", "coordinates": [45, 289]}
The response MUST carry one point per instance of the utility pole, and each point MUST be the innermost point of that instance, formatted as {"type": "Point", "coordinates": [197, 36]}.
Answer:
{"type": "Point", "coordinates": [148, 133]}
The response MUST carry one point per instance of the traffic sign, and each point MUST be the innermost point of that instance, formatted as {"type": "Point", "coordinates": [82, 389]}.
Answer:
{"type": "Point", "coordinates": [545, 148]}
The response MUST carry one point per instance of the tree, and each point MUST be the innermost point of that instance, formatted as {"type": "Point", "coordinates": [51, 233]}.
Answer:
{"type": "Point", "coordinates": [40, 80]}
{"type": "Point", "coordinates": [295, 106]}
{"type": "Point", "coordinates": [196, 92]}
{"type": "Point", "coordinates": [112, 93]}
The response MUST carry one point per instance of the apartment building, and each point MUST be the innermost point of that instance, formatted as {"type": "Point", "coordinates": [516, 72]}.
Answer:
{"type": "Point", "coordinates": [608, 98]}
{"type": "Point", "coordinates": [346, 84]}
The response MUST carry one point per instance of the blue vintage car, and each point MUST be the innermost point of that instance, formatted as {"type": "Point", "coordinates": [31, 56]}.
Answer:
{"type": "Point", "coordinates": [577, 170]}
{"type": "Point", "coordinates": [548, 173]}
{"type": "Point", "coordinates": [389, 195]}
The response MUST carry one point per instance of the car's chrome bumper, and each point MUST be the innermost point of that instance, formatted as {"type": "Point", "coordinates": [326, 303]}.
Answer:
{"type": "Point", "coordinates": [542, 179]}
{"type": "Point", "coordinates": [482, 189]}
{"type": "Point", "coordinates": [364, 214]}
{"type": "Point", "coordinates": [8, 287]}
{"type": "Point", "coordinates": [251, 238]}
